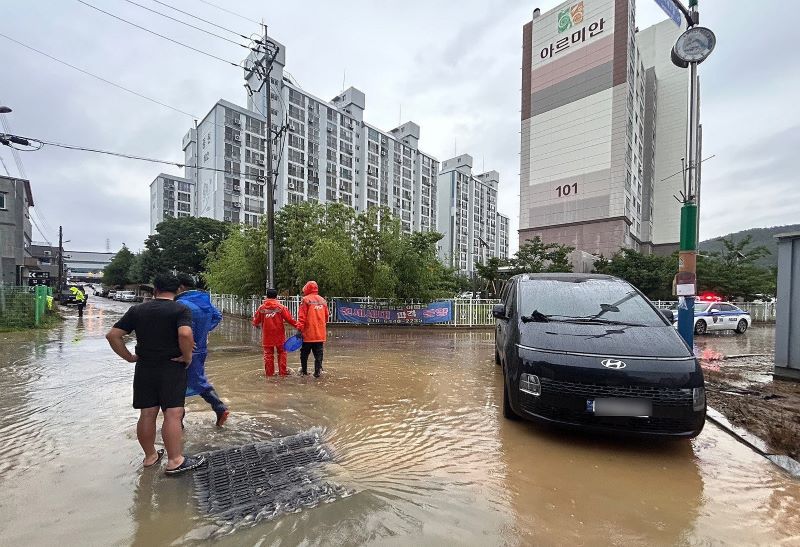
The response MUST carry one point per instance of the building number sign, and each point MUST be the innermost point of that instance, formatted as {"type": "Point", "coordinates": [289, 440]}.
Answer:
{"type": "Point", "coordinates": [567, 189]}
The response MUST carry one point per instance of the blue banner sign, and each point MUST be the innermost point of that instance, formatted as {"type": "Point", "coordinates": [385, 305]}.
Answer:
{"type": "Point", "coordinates": [672, 10]}
{"type": "Point", "coordinates": [380, 314]}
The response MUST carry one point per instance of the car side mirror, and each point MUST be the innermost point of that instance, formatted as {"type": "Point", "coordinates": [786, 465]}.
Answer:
{"type": "Point", "coordinates": [669, 314]}
{"type": "Point", "coordinates": [499, 312]}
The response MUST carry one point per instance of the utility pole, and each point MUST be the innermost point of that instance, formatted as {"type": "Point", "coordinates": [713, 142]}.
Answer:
{"type": "Point", "coordinates": [270, 178]}
{"type": "Point", "coordinates": [691, 49]}
{"type": "Point", "coordinates": [59, 286]}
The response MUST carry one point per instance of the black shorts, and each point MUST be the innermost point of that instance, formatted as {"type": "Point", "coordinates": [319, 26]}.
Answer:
{"type": "Point", "coordinates": [159, 384]}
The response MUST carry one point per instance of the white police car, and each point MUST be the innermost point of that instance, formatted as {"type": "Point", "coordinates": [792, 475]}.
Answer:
{"type": "Point", "coordinates": [712, 315]}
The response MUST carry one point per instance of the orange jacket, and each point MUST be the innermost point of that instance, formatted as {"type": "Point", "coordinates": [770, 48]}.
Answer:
{"type": "Point", "coordinates": [313, 314]}
{"type": "Point", "coordinates": [270, 317]}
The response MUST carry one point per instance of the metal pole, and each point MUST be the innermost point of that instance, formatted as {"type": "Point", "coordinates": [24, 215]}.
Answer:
{"type": "Point", "coordinates": [270, 182]}
{"type": "Point", "coordinates": [687, 257]}
{"type": "Point", "coordinates": [59, 285]}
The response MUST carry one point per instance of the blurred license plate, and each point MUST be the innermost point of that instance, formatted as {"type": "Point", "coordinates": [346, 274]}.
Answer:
{"type": "Point", "coordinates": [619, 407]}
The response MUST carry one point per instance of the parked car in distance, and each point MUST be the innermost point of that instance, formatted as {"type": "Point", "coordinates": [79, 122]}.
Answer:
{"type": "Point", "coordinates": [591, 351]}
{"type": "Point", "coordinates": [126, 296]}
{"type": "Point", "coordinates": [711, 315]}
{"type": "Point", "coordinates": [111, 294]}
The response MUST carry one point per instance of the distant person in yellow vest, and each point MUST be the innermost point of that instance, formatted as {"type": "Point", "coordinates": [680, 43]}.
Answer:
{"type": "Point", "coordinates": [80, 298]}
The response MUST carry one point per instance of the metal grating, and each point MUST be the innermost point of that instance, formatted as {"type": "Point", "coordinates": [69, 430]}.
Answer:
{"type": "Point", "coordinates": [264, 480]}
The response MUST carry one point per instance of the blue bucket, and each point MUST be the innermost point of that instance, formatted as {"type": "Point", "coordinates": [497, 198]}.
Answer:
{"type": "Point", "coordinates": [294, 343]}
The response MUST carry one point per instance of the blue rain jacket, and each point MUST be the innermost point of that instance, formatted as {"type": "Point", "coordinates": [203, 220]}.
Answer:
{"type": "Point", "coordinates": [205, 318]}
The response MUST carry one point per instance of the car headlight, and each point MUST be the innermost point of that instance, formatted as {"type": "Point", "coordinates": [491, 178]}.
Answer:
{"type": "Point", "coordinates": [698, 398]}
{"type": "Point", "coordinates": [530, 384]}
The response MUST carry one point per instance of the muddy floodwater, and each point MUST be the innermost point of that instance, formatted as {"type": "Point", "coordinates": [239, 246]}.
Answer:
{"type": "Point", "coordinates": [414, 418]}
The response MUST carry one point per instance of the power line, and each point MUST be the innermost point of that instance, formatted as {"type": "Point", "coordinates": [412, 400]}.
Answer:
{"type": "Point", "coordinates": [29, 141]}
{"type": "Point", "coordinates": [118, 86]}
{"type": "Point", "coordinates": [231, 12]}
{"type": "Point", "coordinates": [213, 24]}
{"type": "Point", "coordinates": [187, 24]}
{"type": "Point", "coordinates": [207, 54]}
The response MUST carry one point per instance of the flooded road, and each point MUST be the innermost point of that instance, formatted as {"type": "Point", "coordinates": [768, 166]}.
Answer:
{"type": "Point", "coordinates": [415, 422]}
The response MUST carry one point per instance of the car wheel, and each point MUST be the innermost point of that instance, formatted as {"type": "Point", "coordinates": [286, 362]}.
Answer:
{"type": "Point", "coordinates": [741, 327]}
{"type": "Point", "coordinates": [700, 327]}
{"type": "Point", "coordinates": [508, 412]}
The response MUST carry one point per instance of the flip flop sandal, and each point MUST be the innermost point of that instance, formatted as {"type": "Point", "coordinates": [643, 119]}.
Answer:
{"type": "Point", "coordinates": [188, 464]}
{"type": "Point", "coordinates": [160, 453]}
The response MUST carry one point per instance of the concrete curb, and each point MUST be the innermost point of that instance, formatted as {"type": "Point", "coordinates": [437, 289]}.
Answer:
{"type": "Point", "coordinates": [756, 444]}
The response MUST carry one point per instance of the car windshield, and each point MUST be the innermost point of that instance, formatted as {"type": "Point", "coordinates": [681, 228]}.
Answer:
{"type": "Point", "coordinates": [700, 307]}
{"type": "Point", "coordinates": [585, 300]}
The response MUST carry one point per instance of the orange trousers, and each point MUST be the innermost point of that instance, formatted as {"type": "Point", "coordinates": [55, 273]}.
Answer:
{"type": "Point", "coordinates": [269, 360]}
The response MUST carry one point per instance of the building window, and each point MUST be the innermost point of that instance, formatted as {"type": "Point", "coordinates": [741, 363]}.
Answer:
{"type": "Point", "coordinates": [3, 205]}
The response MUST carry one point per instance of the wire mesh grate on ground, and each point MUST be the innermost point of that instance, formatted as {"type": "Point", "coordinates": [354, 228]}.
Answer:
{"type": "Point", "coordinates": [264, 480]}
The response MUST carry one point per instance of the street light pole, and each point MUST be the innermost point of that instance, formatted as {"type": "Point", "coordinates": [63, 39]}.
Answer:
{"type": "Point", "coordinates": [691, 49]}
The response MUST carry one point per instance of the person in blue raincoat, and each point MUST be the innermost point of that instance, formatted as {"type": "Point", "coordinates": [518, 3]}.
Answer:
{"type": "Point", "coordinates": [205, 318]}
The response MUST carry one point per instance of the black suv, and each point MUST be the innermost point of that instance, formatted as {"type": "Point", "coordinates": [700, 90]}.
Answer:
{"type": "Point", "coordinates": [591, 351]}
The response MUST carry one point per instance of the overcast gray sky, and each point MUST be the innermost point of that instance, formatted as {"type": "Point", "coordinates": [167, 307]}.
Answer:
{"type": "Point", "coordinates": [453, 67]}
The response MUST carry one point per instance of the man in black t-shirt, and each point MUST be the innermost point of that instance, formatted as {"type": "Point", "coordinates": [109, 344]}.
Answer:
{"type": "Point", "coordinates": [163, 351]}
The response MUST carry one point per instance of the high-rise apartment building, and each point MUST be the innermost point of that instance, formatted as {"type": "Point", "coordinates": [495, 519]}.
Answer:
{"type": "Point", "coordinates": [473, 229]}
{"type": "Point", "coordinates": [329, 153]}
{"type": "Point", "coordinates": [584, 143]}
{"type": "Point", "coordinates": [228, 146]}
{"type": "Point", "coordinates": [503, 235]}
{"type": "Point", "coordinates": [171, 197]}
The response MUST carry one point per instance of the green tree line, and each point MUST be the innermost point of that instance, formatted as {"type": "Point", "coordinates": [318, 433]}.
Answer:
{"type": "Point", "coordinates": [347, 253]}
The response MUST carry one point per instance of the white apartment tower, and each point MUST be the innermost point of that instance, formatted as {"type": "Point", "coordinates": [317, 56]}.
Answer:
{"type": "Point", "coordinates": [228, 146]}
{"type": "Point", "coordinates": [328, 153]}
{"type": "Point", "coordinates": [468, 216]}
{"type": "Point", "coordinates": [171, 197]}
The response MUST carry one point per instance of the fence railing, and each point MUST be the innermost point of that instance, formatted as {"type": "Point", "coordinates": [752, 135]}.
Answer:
{"type": "Point", "coordinates": [22, 307]}
{"type": "Point", "coordinates": [761, 312]}
{"type": "Point", "coordinates": [466, 312]}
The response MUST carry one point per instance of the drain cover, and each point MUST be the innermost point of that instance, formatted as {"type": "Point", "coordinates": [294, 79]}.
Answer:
{"type": "Point", "coordinates": [263, 480]}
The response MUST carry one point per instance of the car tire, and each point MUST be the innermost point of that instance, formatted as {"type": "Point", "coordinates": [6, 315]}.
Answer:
{"type": "Point", "coordinates": [508, 412]}
{"type": "Point", "coordinates": [741, 326]}
{"type": "Point", "coordinates": [700, 327]}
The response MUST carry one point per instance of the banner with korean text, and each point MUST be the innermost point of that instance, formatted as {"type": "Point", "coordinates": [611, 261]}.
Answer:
{"type": "Point", "coordinates": [383, 314]}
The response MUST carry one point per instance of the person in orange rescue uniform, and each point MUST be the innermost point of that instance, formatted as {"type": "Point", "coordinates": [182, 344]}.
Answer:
{"type": "Point", "coordinates": [312, 320]}
{"type": "Point", "coordinates": [269, 317]}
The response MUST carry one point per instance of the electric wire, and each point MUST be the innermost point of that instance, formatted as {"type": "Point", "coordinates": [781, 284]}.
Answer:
{"type": "Point", "coordinates": [104, 80]}
{"type": "Point", "coordinates": [3, 163]}
{"type": "Point", "coordinates": [43, 143]}
{"type": "Point", "coordinates": [231, 12]}
{"type": "Point", "coordinates": [207, 54]}
{"type": "Point", "coordinates": [213, 24]}
{"type": "Point", "coordinates": [86, 72]}
{"type": "Point", "coordinates": [187, 24]}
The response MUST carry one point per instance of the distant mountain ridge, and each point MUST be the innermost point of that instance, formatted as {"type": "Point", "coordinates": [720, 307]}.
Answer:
{"type": "Point", "coordinates": [761, 236]}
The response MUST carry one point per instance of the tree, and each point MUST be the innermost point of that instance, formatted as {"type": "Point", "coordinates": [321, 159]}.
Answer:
{"type": "Point", "coordinates": [117, 272]}
{"type": "Point", "coordinates": [330, 264]}
{"type": "Point", "coordinates": [238, 266]}
{"type": "Point", "coordinates": [651, 274]}
{"type": "Point", "coordinates": [534, 256]}
{"type": "Point", "coordinates": [184, 244]}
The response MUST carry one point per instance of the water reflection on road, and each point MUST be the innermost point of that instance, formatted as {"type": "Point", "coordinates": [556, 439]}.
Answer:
{"type": "Point", "coordinates": [414, 419]}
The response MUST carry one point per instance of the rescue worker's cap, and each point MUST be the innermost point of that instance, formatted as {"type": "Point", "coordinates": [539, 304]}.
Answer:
{"type": "Point", "coordinates": [310, 288]}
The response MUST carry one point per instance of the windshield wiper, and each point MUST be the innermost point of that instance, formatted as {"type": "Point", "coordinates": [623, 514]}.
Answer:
{"type": "Point", "coordinates": [535, 317]}
{"type": "Point", "coordinates": [597, 321]}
